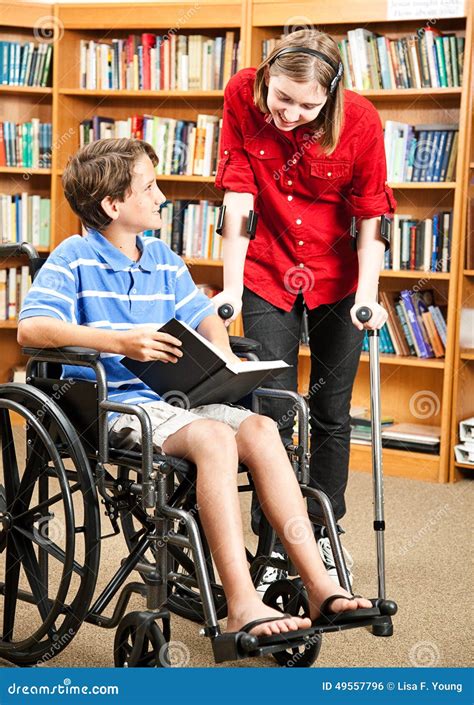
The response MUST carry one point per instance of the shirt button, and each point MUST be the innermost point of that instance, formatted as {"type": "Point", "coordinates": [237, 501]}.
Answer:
{"type": "Point", "coordinates": [134, 291]}
{"type": "Point", "coordinates": [262, 151]}
{"type": "Point", "coordinates": [290, 183]}
{"type": "Point", "coordinates": [290, 198]}
{"type": "Point", "coordinates": [329, 173]}
{"type": "Point", "coordinates": [301, 264]}
{"type": "Point", "coordinates": [298, 221]}
{"type": "Point", "coordinates": [226, 151]}
{"type": "Point", "coordinates": [300, 242]}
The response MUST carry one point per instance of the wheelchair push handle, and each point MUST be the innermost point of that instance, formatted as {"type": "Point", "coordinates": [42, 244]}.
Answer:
{"type": "Point", "coordinates": [225, 311]}
{"type": "Point", "coordinates": [364, 314]}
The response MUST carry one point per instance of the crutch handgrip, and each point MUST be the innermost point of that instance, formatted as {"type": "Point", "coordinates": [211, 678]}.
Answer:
{"type": "Point", "coordinates": [225, 311]}
{"type": "Point", "coordinates": [363, 314]}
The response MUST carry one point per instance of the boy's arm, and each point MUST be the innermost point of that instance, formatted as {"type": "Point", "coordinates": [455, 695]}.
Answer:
{"type": "Point", "coordinates": [142, 344]}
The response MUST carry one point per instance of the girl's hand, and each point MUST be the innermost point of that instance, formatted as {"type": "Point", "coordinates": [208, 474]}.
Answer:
{"type": "Point", "coordinates": [228, 296]}
{"type": "Point", "coordinates": [376, 321]}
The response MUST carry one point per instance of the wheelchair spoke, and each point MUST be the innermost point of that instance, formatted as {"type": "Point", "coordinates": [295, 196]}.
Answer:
{"type": "Point", "coordinates": [51, 548]}
{"type": "Point", "coordinates": [9, 459]}
{"type": "Point", "coordinates": [29, 515]}
{"type": "Point", "coordinates": [33, 574]}
{"type": "Point", "coordinates": [12, 575]}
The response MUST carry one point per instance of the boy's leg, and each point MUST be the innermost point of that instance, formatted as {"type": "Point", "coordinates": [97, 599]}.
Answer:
{"type": "Point", "coordinates": [211, 445]}
{"type": "Point", "coordinates": [280, 497]}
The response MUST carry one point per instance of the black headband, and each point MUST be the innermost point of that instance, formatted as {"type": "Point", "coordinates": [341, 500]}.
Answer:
{"type": "Point", "coordinates": [339, 68]}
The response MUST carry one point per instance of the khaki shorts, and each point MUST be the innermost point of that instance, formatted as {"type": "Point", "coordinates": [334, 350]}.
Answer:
{"type": "Point", "coordinates": [125, 431]}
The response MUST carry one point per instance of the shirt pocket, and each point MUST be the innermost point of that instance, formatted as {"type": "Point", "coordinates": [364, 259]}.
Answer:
{"type": "Point", "coordinates": [330, 176]}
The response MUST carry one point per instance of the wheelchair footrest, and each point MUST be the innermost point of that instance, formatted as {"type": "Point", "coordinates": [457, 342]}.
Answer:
{"type": "Point", "coordinates": [233, 646]}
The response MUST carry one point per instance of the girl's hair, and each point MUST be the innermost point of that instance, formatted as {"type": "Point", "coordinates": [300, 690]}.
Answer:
{"type": "Point", "coordinates": [304, 68]}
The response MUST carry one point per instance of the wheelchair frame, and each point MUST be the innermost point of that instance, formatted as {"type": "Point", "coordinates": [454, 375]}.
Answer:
{"type": "Point", "coordinates": [156, 501]}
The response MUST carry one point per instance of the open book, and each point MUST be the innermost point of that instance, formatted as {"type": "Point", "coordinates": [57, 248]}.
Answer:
{"type": "Point", "coordinates": [202, 373]}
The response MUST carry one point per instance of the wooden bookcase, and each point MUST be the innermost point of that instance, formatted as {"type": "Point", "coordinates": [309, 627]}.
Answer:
{"type": "Point", "coordinates": [22, 22]}
{"type": "Point", "coordinates": [407, 383]}
{"type": "Point", "coordinates": [463, 366]}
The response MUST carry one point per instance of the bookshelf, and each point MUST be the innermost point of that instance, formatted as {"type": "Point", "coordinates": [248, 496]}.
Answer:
{"type": "Point", "coordinates": [463, 365]}
{"type": "Point", "coordinates": [404, 379]}
{"type": "Point", "coordinates": [413, 390]}
{"type": "Point", "coordinates": [22, 22]}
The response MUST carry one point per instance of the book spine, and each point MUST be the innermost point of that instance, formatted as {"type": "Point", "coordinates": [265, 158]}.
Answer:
{"type": "Point", "coordinates": [413, 321]}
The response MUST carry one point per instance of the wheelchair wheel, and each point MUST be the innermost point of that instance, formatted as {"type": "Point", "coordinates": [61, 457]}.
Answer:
{"type": "Point", "coordinates": [49, 527]}
{"type": "Point", "coordinates": [290, 596]}
{"type": "Point", "coordinates": [140, 643]}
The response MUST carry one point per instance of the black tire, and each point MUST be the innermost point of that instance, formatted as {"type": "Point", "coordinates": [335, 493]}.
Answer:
{"type": "Point", "coordinates": [152, 649]}
{"type": "Point", "coordinates": [290, 596]}
{"type": "Point", "coordinates": [49, 515]}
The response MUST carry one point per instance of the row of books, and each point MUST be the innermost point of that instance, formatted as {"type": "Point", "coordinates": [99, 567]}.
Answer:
{"type": "Point", "coordinates": [25, 64]}
{"type": "Point", "coordinates": [26, 145]}
{"type": "Point", "coordinates": [402, 436]}
{"type": "Point", "coordinates": [183, 146]}
{"type": "Point", "coordinates": [420, 152]}
{"type": "Point", "coordinates": [189, 228]}
{"type": "Point", "coordinates": [423, 245]}
{"type": "Point", "coordinates": [14, 285]}
{"type": "Point", "coordinates": [25, 218]}
{"type": "Point", "coordinates": [426, 59]}
{"type": "Point", "coordinates": [155, 62]}
{"type": "Point", "coordinates": [429, 59]}
{"type": "Point", "coordinates": [415, 325]}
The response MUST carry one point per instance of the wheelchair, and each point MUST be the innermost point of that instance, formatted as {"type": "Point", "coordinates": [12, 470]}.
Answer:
{"type": "Point", "coordinates": [50, 538]}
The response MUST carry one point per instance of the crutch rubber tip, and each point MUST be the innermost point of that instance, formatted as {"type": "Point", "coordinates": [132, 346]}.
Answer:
{"type": "Point", "coordinates": [387, 607]}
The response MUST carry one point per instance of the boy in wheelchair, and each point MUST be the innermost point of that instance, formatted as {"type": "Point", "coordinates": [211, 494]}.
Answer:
{"type": "Point", "coordinates": [110, 290]}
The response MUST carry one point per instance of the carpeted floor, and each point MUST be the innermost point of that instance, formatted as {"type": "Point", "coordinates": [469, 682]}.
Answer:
{"type": "Point", "coordinates": [429, 574]}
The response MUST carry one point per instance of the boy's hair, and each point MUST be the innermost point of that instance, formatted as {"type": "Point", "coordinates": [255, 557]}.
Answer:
{"type": "Point", "coordinates": [100, 169]}
{"type": "Point", "coordinates": [303, 68]}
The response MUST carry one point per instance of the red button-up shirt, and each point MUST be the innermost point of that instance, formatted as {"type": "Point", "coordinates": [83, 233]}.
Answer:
{"type": "Point", "coordinates": [305, 199]}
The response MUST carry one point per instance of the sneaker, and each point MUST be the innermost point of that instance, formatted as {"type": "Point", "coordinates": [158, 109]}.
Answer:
{"type": "Point", "coordinates": [327, 557]}
{"type": "Point", "coordinates": [272, 574]}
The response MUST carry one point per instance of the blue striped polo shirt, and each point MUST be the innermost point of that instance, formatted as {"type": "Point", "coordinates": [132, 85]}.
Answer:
{"type": "Point", "coordinates": [89, 282]}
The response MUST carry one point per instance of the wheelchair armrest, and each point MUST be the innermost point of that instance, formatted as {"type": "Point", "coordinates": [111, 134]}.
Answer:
{"type": "Point", "coordinates": [243, 345]}
{"type": "Point", "coordinates": [16, 249]}
{"type": "Point", "coordinates": [68, 355]}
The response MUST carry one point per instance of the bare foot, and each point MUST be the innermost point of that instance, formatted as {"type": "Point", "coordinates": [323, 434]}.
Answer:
{"type": "Point", "coordinates": [325, 589]}
{"type": "Point", "coordinates": [243, 614]}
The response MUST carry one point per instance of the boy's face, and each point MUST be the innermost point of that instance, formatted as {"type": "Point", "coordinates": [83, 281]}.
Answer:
{"type": "Point", "coordinates": [291, 103]}
{"type": "Point", "coordinates": [141, 208]}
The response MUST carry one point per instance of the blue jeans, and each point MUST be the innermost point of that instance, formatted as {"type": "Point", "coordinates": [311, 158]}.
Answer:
{"type": "Point", "coordinates": [335, 345]}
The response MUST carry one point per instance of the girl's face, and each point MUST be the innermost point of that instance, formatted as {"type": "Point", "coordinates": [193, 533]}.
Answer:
{"type": "Point", "coordinates": [292, 103]}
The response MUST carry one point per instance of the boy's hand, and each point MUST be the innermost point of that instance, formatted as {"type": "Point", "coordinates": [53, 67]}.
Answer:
{"type": "Point", "coordinates": [145, 344]}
